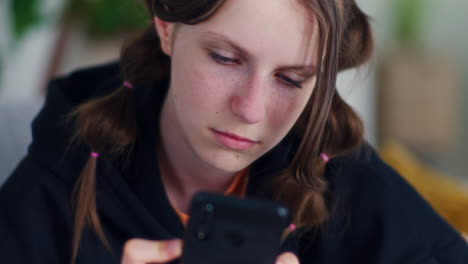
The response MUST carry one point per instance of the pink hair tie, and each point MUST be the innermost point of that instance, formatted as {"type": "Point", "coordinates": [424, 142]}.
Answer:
{"type": "Point", "coordinates": [292, 227]}
{"type": "Point", "coordinates": [94, 154]}
{"type": "Point", "coordinates": [324, 157]}
{"type": "Point", "coordinates": [128, 84]}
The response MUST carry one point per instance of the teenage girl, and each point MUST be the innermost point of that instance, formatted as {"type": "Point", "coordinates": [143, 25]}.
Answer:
{"type": "Point", "coordinates": [230, 96]}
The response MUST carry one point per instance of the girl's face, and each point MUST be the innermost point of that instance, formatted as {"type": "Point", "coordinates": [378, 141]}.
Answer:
{"type": "Point", "coordinates": [239, 81]}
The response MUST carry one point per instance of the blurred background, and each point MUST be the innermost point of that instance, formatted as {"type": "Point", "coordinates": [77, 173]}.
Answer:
{"type": "Point", "coordinates": [412, 96]}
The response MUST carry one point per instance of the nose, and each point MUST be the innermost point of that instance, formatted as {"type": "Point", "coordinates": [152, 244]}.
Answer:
{"type": "Point", "coordinates": [249, 101]}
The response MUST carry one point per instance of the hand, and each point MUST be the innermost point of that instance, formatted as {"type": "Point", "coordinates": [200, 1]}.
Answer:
{"type": "Point", "coordinates": [141, 251]}
{"type": "Point", "coordinates": [287, 258]}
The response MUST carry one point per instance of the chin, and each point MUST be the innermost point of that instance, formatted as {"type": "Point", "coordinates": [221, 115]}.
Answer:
{"type": "Point", "coordinates": [227, 161]}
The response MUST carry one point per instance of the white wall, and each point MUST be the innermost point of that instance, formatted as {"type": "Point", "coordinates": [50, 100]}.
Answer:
{"type": "Point", "coordinates": [4, 35]}
{"type": "Point", "coordinates": [25, 61]}
{"type": "Point", "coordinates": [21, 77]}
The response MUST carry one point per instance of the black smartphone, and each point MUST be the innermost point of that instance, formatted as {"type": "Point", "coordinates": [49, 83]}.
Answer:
{"type": "Point", "coordinates": [229, 230]}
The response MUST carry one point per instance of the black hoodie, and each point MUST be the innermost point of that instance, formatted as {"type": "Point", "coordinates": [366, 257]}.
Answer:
{"type": "Point", "coordinates": [376, 216]}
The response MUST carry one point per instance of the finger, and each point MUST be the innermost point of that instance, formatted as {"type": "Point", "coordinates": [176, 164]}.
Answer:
{"type": "Point", "coordinates": [287, 258]}
{"type": "Point", "coordinates": [140, 251]}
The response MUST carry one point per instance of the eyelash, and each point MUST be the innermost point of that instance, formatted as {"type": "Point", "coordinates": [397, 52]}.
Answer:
{"type": "Point", "coordinates": [290, 82]}
{"type": "Point", "coordinates": [221, 59]}
{"type": "Point", "coordinates": [228, 61]}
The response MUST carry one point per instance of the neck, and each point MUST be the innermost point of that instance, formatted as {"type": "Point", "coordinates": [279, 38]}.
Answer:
{"type": "Point", "coordinates": [182, 172]}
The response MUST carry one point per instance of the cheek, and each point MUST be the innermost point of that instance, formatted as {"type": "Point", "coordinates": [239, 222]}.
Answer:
{"type": "Point", "coordinates": [285, 110]}
{"type": "Point", "coordinates": [288, 104]}
{"type": "Point", "coordinates": [204, 92]}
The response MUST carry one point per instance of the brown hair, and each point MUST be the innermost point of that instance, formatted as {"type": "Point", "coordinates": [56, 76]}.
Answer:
{"type": "Point", "coordinates": [327, 125]}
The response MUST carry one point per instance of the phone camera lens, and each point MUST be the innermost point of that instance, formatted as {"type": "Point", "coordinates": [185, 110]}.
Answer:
{"type": "Point", "coordinates": [203, 228]}
{"type": "Point", "coordinates": [282, 211]}
{"type": "Point", "coordinates": [208, 208]}
{"type": "Point", "coordinates": [201, 235]}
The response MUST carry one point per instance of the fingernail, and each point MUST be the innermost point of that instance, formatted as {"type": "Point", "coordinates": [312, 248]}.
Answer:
{"type": "Point", "coordinates": [174, 247]}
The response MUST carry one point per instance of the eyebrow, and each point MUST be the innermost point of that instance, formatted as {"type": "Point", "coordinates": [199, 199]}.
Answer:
{"type": "Point", "coordinates": [308, 70]}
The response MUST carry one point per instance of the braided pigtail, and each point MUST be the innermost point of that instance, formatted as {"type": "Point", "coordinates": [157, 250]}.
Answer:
{"type": "Point", "coordinates": [113, 118]}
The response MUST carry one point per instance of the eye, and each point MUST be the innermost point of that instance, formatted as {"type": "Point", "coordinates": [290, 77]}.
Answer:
{"type": "Point", "coordinates": [288, 81]}
{"type": "Point", "coordinates": [222, 59]}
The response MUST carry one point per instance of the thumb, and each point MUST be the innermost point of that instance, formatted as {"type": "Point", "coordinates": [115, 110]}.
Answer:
{"type": "Point", "coordinates": [287, 258]}
{"type": "Point", "coordinates": [140, 251]}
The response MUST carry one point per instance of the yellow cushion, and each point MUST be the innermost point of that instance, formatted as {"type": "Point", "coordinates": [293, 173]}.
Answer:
{"type": "Point", "coordinates": [447, 196]}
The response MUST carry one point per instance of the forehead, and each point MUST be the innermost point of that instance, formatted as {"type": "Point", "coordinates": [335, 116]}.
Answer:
{"type": "Point", "coordinates": [279, 29]}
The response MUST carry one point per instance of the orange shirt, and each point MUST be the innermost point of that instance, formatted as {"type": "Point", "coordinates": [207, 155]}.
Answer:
{"type": "Point", "coordinates": [237, 188]}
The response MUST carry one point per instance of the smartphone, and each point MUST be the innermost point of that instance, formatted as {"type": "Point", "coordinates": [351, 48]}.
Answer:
{"type": "Point", "coordinates": [230, 230]}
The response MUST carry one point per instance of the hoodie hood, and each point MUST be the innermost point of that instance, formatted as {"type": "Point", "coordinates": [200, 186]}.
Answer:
{"type": "Point", "coordinates": [52, 133]}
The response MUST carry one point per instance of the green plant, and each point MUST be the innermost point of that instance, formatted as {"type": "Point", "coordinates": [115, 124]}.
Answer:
{"type": "Point", "coordinates": [110, 16]}
{"type": "Point", "coordinates": [25, 15]}
{"type": "Point", "coordinates": [102, 17]}
{"type": "Point", "coordinates": [409, 17]}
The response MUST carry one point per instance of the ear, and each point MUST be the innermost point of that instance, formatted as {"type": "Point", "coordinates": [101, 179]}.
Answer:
{"type": "Point", "coordinates": [165, 31]}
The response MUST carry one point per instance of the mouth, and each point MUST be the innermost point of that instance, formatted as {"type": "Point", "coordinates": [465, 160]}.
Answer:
{"type": "Point", "coordinates": [233, 141]}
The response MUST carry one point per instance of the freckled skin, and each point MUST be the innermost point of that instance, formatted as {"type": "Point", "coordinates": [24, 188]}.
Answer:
{"type": "Point", "coordinates": [246, 99]}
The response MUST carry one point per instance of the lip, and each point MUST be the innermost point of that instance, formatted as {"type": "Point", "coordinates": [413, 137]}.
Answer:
{"type": "Point", "coordinates": [233, 141]}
